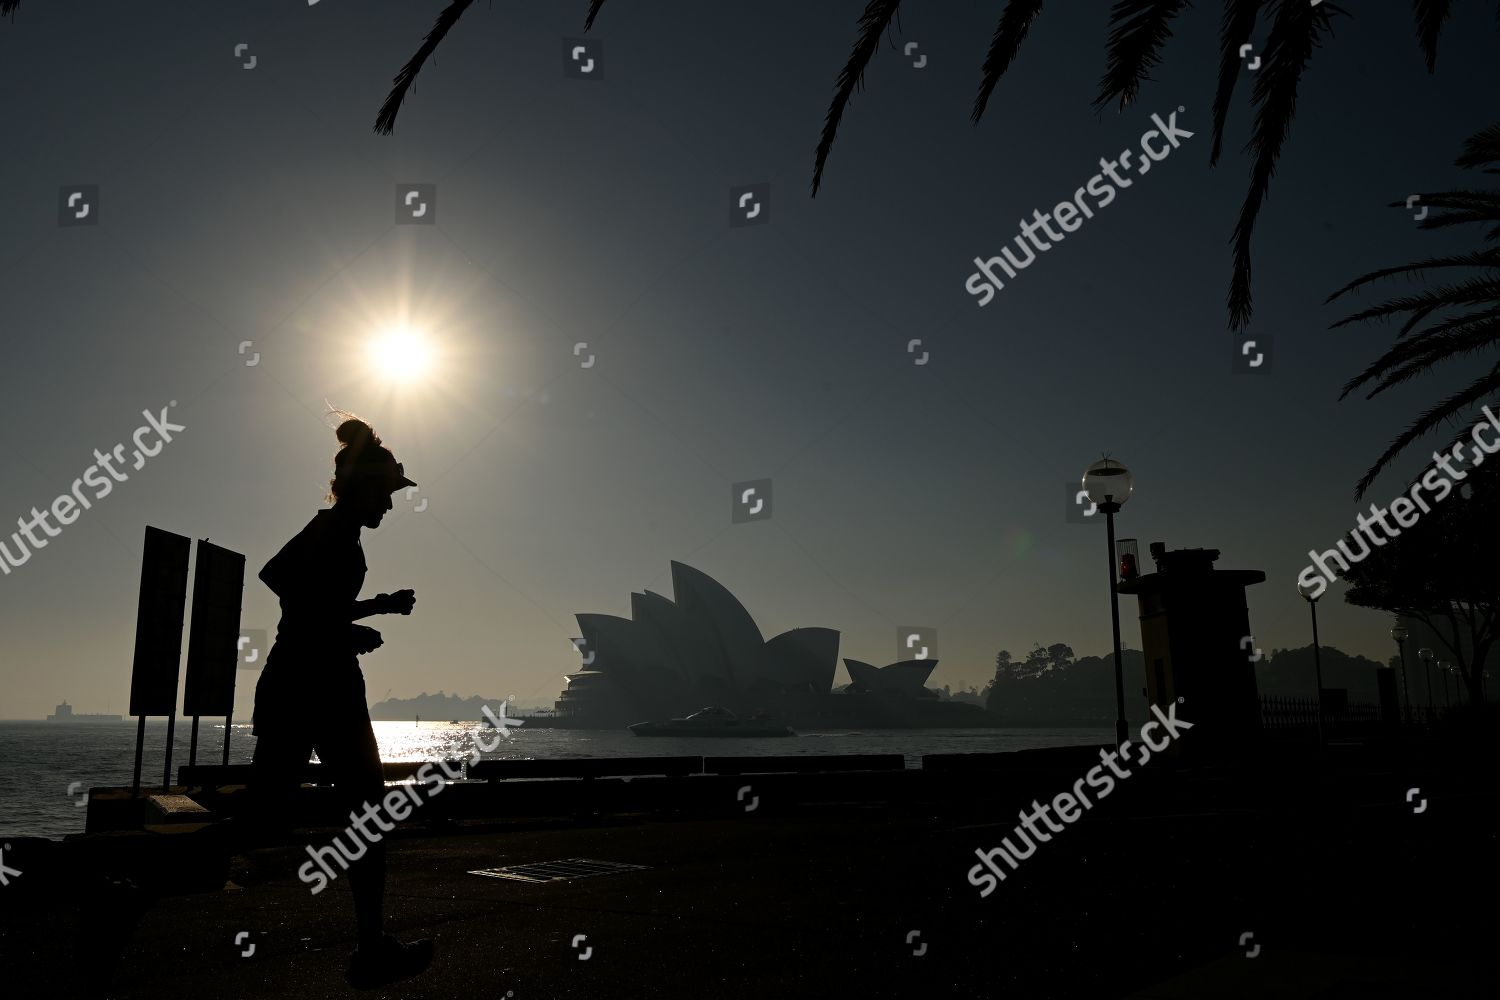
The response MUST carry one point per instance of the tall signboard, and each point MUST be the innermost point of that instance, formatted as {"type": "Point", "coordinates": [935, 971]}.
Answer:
{"type": "Point", "coordinates": [158, 637]}
{"type": "Point", "coordinates": [213, 639]}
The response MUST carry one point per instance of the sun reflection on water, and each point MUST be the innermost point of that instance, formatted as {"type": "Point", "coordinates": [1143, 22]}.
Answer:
{"type": "Point", "coordinates": [402, 741]}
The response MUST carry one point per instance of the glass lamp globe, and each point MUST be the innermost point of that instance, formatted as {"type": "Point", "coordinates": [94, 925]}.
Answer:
{"type": "Point", "coordinates": [1399, 632]}
{"type": "Point", "coordinates": [1107, 481]}
{"type": "Point", "coordinates": [1307, 590]}
{"type": "Point", "coordinates": [1424, 653]}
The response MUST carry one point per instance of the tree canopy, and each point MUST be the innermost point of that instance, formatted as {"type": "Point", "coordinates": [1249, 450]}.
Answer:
{"type": "Point", "coordinates": [1441, 571]}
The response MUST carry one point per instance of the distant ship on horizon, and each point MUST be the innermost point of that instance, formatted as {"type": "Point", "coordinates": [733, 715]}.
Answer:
{"type": "Point", "coordinates": [65, 713]}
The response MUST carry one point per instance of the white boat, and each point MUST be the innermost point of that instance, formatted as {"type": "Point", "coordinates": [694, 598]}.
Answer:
{"type": "Point", "coordinates": [713, 721]}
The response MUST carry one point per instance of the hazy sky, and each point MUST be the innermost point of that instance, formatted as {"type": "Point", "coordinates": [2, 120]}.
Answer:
{"type": "Point", "coordinates": [256, 204]}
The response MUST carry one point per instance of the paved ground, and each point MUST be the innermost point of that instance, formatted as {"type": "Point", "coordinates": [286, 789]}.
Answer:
{"type": "Point", "coordinates": [1346, 891]}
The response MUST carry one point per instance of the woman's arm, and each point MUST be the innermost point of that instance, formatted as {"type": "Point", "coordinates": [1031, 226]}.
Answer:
{"type": "Point", "coordinates": [280, 574]}
{"type": "Point", "coordinates": [295, 575]}
{"type": "Point", "coordinates": [399, 603]}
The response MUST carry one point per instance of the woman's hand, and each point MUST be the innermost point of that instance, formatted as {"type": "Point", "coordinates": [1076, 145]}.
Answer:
{"type": "Point", "coordinates": [364, 639]}
{"type": "Point", "coordinates": [399, 603]}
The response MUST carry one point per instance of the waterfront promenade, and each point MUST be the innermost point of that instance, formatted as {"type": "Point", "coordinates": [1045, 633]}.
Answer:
{"type": "Point", "coordinates": [859, 893]}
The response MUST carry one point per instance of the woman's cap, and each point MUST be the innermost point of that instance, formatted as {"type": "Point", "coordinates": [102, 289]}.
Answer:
{"type": "Point", "coordinates": [392, 473]}
{"type": "Point", "coordinates": [363, 457]}
{"type": "Point", "coordinates": [389, 474]}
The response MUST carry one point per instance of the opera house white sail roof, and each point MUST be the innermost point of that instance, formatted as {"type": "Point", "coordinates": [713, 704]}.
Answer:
{"type": "Point", "coordinates": [701, 647]}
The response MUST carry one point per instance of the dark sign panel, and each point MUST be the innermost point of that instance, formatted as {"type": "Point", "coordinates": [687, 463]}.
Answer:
{"type": "Point", "coordinates": [158, 624]}
{"type": "Point", "coordinates": [213, 642]}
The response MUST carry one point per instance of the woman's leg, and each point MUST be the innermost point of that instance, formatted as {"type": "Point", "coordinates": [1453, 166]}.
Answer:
{"type": "Point", "coordinates": [281, 754]}
{"type": "Point", "coordinates": [283, 744]}
{"type": "Point", "coordinates": [351, 753]}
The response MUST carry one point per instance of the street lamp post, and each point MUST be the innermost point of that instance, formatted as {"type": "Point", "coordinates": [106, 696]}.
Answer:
{"type": "Point", "coordinates": [1312, 604]}
{"type": "Point", "coordinates": [1399, 633]}
{"type": "Point", "coordinates": [1425, 655]}
{"type": "Point", "coordinates": [1445, 671]}
{"type": "Point", "coordinates": [1108, 485]}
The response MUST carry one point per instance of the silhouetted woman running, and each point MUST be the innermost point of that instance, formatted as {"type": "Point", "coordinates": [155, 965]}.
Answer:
{"type": "Point", "coordinates": [311, 695]}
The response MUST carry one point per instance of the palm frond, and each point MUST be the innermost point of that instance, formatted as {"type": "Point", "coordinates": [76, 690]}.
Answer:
{"type": "Point", "coordinates": [1416, 317]}
{"type": "Point", "coordinates": [1430, 17]}
{"type": "Point", "coordinates": [1448, 409]}
{"type": "Point", "coordinates": [1457, 199]}
{"type": "Point", "coordinates": [1472, 292]}
{"type": "Point", "coordinates": [1462, 335]}
{"type": "Point", "coordinates": [1481, 149]}
{"type": "Point", "coordinates": [1458, 219]}
{"type": "Point", "coordinates": [1015, 21]}
{"type": "Point", "coordinates": [8, 6]}
{"type": "Point", "coordinates": [1239, 22]}
{"type": "Point", "coordinates": [872, 24]}
{"type": "Point", "coordinates": [1484, 258]}
{"type": "Point", "coordinates": [594, 5]}
{"type": "Point", "coordinates": [1434, 353]}
{"type": "Point", "coordinates": [1461, 207]}
{"type": "Point", "coordinates": [1138, 30]}
{"type": "Point", "coordinates": [385, 121]}
{"type": "Point", "coordinates": [1296, 30]}
{"type": "Point", "coordinates": [1458, 208]}
{"type": "Point", "coordinates": [1456, 325]}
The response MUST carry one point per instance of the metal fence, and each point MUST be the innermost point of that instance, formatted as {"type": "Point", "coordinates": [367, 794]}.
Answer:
{"type": "Point", "coordinates": [1290, 715]}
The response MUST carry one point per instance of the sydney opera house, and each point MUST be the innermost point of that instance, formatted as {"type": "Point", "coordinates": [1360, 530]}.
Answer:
{"type": "Point", "coordinates": [673, 657]}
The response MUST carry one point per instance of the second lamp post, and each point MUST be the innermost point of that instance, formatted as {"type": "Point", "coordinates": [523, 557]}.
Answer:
{"type": "Point", "coordinates": [1399, 633]}
{"type": "Point", "coordinates": [1108, 485]}
{"type": "Point", "coordinates": [1425, 655]}
{"type": "Point", "coordinates": [1312, 602]}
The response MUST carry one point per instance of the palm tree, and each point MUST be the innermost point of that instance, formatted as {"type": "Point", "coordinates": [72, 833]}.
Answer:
{"type": "Point", "coordinates": [1138, 31]}
{"type": "Point", "coordinates": [1465, 313]}
{"type": "Point", "coordinates": [385, 120]}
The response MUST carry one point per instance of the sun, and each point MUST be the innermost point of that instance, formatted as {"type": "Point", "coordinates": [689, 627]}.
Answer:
{"type": "Point", "coordinates": [401, 354]}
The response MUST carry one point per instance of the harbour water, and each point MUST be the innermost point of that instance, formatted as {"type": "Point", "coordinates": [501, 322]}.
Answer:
{"type": "Point", "coordinates": [46, 768]}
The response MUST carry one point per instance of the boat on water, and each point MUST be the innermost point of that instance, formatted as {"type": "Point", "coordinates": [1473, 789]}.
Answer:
{"type": "Point", "coordinates": [713, 721]}
{"type": "Point", "coordinates": [65, 713]}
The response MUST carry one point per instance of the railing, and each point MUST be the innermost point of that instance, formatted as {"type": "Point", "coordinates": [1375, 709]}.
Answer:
{"type": "Point", "coordinates": [580, 767]}
{"type": "Point", "coordinates": [1291, 715]}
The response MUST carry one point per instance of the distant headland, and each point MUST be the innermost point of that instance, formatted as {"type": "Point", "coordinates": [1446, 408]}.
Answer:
{"type": "Point", "coordinates": [438, 707]}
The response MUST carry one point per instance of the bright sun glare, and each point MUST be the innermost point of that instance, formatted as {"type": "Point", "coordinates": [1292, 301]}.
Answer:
{"type": "Point", "coordinates": [401, 354]}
